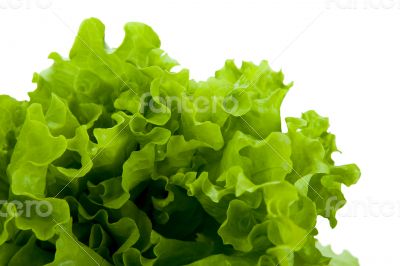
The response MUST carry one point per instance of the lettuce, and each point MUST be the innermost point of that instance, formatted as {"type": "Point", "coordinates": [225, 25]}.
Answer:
{"type": "Point", "coordinates": [117, 159]}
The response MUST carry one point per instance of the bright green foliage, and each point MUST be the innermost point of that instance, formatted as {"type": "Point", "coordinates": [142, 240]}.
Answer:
{"type": "Point", "coordinates": [208, 179]}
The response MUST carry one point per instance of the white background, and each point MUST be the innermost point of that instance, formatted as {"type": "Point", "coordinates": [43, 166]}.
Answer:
{"type": "Point", "coordinates": [343, 55]}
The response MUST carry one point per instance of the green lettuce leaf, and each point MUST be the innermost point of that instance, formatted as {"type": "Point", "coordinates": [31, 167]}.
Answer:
{"type": "Point", "coordinates": [117, 159]}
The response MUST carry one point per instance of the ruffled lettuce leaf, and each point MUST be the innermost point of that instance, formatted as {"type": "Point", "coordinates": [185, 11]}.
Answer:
{"type": "Point", "coordinates": [116, 159]}
{"type": "Point", "coordinates": [343, 259]}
